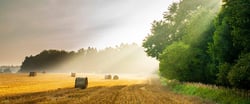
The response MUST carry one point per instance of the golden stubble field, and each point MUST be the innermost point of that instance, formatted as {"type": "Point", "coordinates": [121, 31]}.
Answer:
{"type": "Point", "coordinates": [59, 88]}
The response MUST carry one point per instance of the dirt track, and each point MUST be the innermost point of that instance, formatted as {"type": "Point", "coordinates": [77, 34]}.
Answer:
{"type": "Point", "coordinates": [117, 94]}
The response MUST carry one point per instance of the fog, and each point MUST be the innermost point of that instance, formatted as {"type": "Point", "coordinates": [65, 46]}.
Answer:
{"type": "Point", "coordinates": [123, 59]}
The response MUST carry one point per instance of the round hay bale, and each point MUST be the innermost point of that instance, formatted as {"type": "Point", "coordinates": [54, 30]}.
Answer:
{"type": "Point", "coordinates": [43, 71]}
{"type": "Point", "coordinates": [108, 76]}
{"type": "Point", "coordinates": [116, 77]}
{"type": "Point", "coordinates": [73, 75]}
{"type": "Point", "coordinates": [81, 82]}
{"type": "Point", "coordinates": [32, 74]}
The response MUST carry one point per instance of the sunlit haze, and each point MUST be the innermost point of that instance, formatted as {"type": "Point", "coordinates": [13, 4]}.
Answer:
{"type": "Point", "coordinates": [29, 26]}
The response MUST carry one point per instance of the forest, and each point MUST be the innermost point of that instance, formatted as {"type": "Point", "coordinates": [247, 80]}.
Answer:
{"type": "Point", "coordinates": [203, 41]}
{"type": "Point", "coordinates": [124, 58]}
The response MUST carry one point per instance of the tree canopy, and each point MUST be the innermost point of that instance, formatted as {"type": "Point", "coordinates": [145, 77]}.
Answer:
{"type": "Point", "coordinates": [203, 41]}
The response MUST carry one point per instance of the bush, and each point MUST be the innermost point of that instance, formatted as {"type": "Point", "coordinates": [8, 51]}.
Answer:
{"type": "Point", "coordinates": [181, 62]}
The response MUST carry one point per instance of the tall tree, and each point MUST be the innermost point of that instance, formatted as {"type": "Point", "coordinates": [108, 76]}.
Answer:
{"type": "Point", "coordinates": [231, 41]}
{"type": "Point", "coordinates": [180, 40]}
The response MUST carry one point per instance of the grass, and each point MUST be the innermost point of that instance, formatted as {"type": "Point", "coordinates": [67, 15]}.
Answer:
{"type": "Point", "coordinates": [217, 94]}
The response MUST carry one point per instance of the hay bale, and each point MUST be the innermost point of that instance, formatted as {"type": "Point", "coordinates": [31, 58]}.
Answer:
{"type": "Point", "coordinates": [81, 82]}
{"type": "Point", "coordinates": [73, 75]}
{"type": "Point", "coordinates": [108, 76]}
{"type": "Point", "coordinates": [32, 74]}
{"type": "Point", "coordinates": [43, 71]}
{"type": "Point", "coordinates": [115, 77]}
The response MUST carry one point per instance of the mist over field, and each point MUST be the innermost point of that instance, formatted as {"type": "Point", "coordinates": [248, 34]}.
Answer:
{"type": "Point", "coordinates": [125, 58]}
{"type": "Point", "coordinates": [125, 51]}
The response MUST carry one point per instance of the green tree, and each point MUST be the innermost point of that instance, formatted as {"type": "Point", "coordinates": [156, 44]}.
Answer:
{"type": "Point", "coordinates": [179, 61]}
{"type": "Point", "coordinates": [239, 76]}
{"type": "Point", "coordinates": [172, 65]}
{"type": "Point", "coordinates": [159, 38]}
{"type": "Point", "coordinates": [239, 19]}
{"type": "Point", "coordinates": [190, 29]}
{"type": "Point", "coordinates": [230, 40]}
{"type": "Point", "coordinates": [173, 27]}
{"type": "Point", "coordinates": [222, 76]}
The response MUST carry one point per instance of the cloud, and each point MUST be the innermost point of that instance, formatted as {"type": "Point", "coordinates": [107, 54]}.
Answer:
{"type": "Point", "coordinates": [71, 24]}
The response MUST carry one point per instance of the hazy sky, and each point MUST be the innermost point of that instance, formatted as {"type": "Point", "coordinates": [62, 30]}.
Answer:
{"type": "Point", "coordinates": [29, 26]}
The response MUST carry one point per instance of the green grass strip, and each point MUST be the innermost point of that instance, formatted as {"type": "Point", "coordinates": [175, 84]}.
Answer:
{"type": "Point", "coordinates": [208, 92]}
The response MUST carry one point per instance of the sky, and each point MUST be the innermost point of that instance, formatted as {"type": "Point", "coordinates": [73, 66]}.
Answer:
{"type": "Point", "coordinates": [29, 26]}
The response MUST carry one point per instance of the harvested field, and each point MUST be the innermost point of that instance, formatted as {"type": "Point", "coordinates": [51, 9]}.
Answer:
{"type": "Point", "coordinates": [59, 88]}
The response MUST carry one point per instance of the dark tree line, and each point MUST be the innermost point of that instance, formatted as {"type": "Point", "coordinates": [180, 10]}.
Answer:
{"type": "Point", "coordinates": [45, 60]}
{"type": "Point", "coordinates": [125, 58]}
{"type": "Point", "coordinates": [199, 42]}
